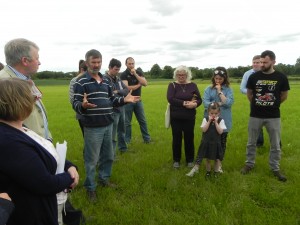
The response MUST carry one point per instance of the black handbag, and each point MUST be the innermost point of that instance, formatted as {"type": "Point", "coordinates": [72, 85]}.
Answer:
{"type": "Point", "coordinates": [72, 216]}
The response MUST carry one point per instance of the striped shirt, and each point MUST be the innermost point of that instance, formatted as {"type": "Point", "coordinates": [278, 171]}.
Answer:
{"type": "Point", "coordinates": [101, 95]}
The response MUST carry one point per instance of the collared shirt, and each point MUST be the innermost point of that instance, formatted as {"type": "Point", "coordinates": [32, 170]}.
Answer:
{"type": "Point", "coordinates": [101, 95]}
{"type": "Point", "coordinates": [36, 92]}
{"type": "Point", "coordinates": [245, 78]}
{"type": "Point", "coordinates": [117, 85]}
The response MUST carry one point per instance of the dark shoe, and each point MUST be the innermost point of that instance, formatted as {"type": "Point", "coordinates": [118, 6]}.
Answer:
{"type": "Point", "coordinates": [216, 174]}
{"type": "Point", "coordinates": [207, 175]}
{"type": "Point", "coordinates": [148, 141]}
{"type": "Point", "coordinates": [92, 196]}
{"type": "Point", "coordinates": [246, 169]}
{"type": "Point", "coordinates": [123, 150]}
{"type": "Point", "coordinates": [280, 176]}
{"type": "Point", "coordinates": [258, 145]}
{"type": "Point", "coordinates": [109, 184]}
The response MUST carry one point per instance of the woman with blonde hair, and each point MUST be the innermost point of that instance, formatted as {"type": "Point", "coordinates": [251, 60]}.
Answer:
{"type": "Point", "coordinates": [184, 97]}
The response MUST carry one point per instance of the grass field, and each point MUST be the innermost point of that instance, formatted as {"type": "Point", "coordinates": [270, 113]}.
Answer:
{"type": "Point", "coordinates": [152, 192]}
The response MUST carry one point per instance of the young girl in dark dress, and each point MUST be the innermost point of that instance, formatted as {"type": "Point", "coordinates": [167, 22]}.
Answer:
{"type": "Point", "coordinates": [210, 147]}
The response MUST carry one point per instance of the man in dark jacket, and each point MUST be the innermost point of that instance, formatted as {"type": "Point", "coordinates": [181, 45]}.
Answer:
{"type": "Point", "coordinates": [119, 89]}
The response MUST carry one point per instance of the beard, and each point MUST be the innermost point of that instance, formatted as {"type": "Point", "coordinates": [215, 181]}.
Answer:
{"type": "Point", "coordinates": [94, 71]}
{"type": "Point", "coordinates": [265, 69]}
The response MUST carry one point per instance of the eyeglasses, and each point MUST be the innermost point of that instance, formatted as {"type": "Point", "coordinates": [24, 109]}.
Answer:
{"type": "Point", "coordinates": [219, 72]}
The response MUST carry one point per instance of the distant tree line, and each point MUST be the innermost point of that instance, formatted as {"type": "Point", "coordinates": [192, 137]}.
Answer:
{"type": "Point", "coordinates": [167, 72]}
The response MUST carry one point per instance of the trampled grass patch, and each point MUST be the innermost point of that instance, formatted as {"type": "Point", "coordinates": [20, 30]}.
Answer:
{"type": "Point", "coordinates": [152, 192]}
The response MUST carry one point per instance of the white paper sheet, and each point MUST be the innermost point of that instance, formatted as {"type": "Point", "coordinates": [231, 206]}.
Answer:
{"type": "Point", "coordinates": [62, 152]}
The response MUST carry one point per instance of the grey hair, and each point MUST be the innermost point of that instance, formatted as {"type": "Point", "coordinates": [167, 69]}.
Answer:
{"type": "Point", "coordinates": [16, 49]}
{"type": "Point", "coordinates": [184, 69]}
{"type": "Point", "coordinates": [92, 53]}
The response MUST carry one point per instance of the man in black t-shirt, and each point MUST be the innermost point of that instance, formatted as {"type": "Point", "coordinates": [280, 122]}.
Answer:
{"type": "Point", "coordinates": [134, 80]}
{"type": "Point", "coordinates": [266, 90]}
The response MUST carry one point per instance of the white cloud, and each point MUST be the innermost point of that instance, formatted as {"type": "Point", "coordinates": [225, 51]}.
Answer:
{"type": "Point", "coordinates": [193, 32]}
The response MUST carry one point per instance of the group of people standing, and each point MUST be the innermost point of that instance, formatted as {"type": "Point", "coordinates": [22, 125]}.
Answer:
{"type": "Point", "coordinates": [30, 186]}
{"type": "Point", "coordinates": [184, 97]}
{"type": "Point", "coordinates": [104, 105]}
{"type": "Point", "coordinates": [266, 89]}
{"type": "Point", "coordinates": [28, 159]}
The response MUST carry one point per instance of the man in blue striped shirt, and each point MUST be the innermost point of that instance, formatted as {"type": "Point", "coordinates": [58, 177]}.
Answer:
{"type": "Point", "coordinates": [94, 101]}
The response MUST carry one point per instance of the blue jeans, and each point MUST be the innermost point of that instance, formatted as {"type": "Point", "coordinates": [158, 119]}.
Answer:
{"type": "Point", "coordinates": [119, 131]}
{"type": "Point", "coordinates": [138, 110]}
{"type": "Point", "coordinates": [97, 149]}
{"type": "Point", "coordinates": [273, 128]}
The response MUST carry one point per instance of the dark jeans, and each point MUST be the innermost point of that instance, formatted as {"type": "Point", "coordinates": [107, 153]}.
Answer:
{"type": "Point", "coordinates": [224, 142]}
{"type": "Point", "coordinates": [185, 129]}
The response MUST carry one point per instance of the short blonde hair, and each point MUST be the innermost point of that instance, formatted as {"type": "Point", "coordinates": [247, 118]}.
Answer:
{"type": "Point", "coordinates": [16, 99]}
{"type": "Point", "coordinates": [185, 70]}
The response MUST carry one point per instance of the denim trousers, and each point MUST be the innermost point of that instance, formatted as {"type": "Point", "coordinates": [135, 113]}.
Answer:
{"type": "Point", "coordinates": [260, 139]}
{"type": "Point", "coordinates": [273, 126]}
{"type": "Point", "coordinates": [118, 131]}
{"type": "Point", "coordinates": [97, 151]}
{"type": "Point", "coordinates": [138, 110]}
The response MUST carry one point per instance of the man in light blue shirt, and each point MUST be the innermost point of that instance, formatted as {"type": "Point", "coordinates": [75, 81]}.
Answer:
{"type": "Point", "coordinates": [243, 89]}
{"type": "Point", "coordinates": [255, 68]}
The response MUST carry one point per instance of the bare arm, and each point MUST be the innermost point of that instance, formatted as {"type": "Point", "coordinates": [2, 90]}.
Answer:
{"type": "Point", "coordinates": [142, 80]}
{"type": "Point", "coordinates": [249, 94]}
{"type": "Point", "coordinates": [206, 126]}
{"type": "Point", "coordinates": [219, 128]}
{"type": "Point", "coordinates": [133, 87]}
{"type": "Point", "coordinates": [283, 96]}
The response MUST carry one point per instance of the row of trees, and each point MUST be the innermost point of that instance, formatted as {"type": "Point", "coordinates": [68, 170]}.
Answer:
{"type": "Point", "coordinates": [167, 72]}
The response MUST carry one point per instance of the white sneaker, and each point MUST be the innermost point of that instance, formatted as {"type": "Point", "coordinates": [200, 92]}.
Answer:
{"type": "Point", "coordinates": [193, 171]}
{"type": "Point", "coordinates": [220, 169]}
{"type": "Point", "coordinates": [176, 165]}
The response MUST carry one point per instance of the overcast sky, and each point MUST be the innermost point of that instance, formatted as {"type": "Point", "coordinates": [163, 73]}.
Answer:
{"type": "Point", "coordinates": [196, 33]}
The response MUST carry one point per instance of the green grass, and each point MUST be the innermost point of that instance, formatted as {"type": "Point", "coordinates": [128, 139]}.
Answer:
{"type": "Point", "coordinates": [152, 192]}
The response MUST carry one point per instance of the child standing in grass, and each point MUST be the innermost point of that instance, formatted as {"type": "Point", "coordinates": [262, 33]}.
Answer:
{"type": "Point", "coordinates": [210, 147]}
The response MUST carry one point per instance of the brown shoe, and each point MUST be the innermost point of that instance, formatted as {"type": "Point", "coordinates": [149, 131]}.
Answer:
{"type": "Point", "coordinates": [109, 184]}
{"type": "Point", "coordinates": [280, 176]}
{"type": "Point", "coordinates": [246, 169]}
{"type": "Point", "coordinates": [92, 196]}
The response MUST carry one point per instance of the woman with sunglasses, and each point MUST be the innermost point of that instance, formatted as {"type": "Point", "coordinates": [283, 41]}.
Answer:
{"type": "Point", "coordinates": [221, 93]}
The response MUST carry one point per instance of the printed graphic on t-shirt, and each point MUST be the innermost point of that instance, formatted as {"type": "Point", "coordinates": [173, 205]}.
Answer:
{"type": "Point", "coordinates": [265, 92]}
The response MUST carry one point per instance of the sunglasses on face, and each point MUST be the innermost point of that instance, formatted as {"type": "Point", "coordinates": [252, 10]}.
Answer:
{"type": "Point", "coordinates": [219, 72]}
